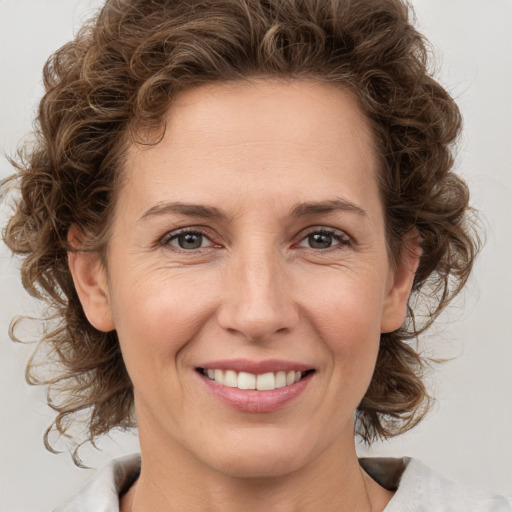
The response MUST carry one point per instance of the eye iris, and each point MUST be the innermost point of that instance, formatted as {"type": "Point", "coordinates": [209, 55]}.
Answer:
{"type": "Point", "coordinates": [320, 240]}
{"type": "Point", "coordinates": [190, 240]}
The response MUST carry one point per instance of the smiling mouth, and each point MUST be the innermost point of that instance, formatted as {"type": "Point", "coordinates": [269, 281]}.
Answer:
{"type": "Point", "coordinates": [249, 381]}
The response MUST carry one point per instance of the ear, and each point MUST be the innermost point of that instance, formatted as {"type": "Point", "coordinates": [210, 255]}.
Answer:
{"type": "Point", "coordinates": [90, 279]}
{"type": "Point", "coordinates": [401, 281]}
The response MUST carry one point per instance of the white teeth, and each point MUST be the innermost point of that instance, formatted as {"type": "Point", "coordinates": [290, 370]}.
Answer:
{"type": "Point", "coordinates": [280, 379]}
{"type": "Point", "coordinates": [263, 382]}
{"type": "Point", "coordinates": [246, 380]}
{"type": "Point", "coordinates": [230, 379]}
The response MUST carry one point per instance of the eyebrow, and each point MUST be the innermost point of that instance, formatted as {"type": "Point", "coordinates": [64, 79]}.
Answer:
{"type": "Point", "coordinates": [315, 208]}
{"type": "Point", "coordinates": [211, 212]}
{"type": "Point", "coordinates": [190, 210]}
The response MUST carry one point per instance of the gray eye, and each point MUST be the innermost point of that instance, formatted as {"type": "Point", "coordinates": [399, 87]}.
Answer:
{"type": "Point", "coordinates": [188, 241]}
{"type": "Point", "coordinates": [320, 240]}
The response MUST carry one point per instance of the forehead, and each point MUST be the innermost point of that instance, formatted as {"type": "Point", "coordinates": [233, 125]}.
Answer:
{"type": "Point", "coordinates": [224, 137]}
{"type": "Point", "coordinates": [262, 110]}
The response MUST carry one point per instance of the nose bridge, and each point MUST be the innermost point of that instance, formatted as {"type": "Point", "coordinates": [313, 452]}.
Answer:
{"type": "Point", "coordinates": [259, 300]}
{"type": "Point", "coordinates": [259, 277]}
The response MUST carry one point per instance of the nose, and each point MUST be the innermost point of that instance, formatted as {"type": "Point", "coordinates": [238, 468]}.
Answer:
{"type": "Point", "coordinates": [258, 296]}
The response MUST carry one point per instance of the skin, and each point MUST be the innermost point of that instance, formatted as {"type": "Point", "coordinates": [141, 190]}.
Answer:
{"type": "Point", "coordinates": [257, 288]}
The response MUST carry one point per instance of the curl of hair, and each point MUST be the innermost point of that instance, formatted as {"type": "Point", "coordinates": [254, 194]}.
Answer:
{"type": "Point", "coordinates": [112, 86]}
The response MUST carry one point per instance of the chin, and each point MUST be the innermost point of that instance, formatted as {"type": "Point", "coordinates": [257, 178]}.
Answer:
{"type": "Point", "coordinates": [261, 467]}
{"type": "Point", "coordinates": [264, 458]}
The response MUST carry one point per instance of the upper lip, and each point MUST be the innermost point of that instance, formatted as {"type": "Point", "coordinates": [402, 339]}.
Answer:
{"type": "Point", "coordinates": [255, 367]}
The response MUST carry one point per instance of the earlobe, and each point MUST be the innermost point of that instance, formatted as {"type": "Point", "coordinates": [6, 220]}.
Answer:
{"type": "Point", "coordinates": [90, 280]}
{"type": "Point", "coordinates": [395, 305]}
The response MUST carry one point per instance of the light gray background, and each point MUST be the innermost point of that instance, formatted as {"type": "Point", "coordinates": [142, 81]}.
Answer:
{"type": "Point", "coordinates": [468, 434]}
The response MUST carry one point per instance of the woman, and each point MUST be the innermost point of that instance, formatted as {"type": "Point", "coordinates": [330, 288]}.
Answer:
{"type": "Point", "coordinates": [236, 270]}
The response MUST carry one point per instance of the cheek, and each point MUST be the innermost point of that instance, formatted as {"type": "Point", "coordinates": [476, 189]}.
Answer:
{"type": "Point", "coordinates": [352, 336]}
{"type": "Point", "coordinates": [157, 315]}
{"type": "Point", "coordinates": [346, 317]}
{"type": "Point", "coordinates": [346, 305]}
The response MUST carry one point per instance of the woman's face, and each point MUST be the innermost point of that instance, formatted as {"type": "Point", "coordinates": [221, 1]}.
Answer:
{"type": "Point", "coordinates": [248, 246]}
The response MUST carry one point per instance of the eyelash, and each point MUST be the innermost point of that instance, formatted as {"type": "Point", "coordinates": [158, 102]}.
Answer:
{"type": "Point", "coordinates": [174, 235]}
{"type": "Point", "coordinates": [339, 236]}
{"type": "Point", "coordinates": [342, 239]}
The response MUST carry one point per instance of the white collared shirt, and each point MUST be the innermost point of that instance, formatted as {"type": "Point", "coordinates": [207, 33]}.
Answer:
{"type": "Point", "coordinates": [418, 489]}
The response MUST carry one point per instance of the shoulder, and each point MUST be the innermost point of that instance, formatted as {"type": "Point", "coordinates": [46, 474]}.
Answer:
{"type": "Point", "coordinates": [419, 489]}
{"type": "Point", "coordinates": [101, 493]}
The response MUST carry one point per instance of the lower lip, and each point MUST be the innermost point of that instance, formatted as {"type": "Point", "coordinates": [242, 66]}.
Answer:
{"type": "Point", "coordinates": [248, 400]}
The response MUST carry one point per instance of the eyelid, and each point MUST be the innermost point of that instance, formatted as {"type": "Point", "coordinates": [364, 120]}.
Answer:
{"type": "Point", "coordinates": [343, 238]}
{"type": "Point", "coordinates": [171, 235]}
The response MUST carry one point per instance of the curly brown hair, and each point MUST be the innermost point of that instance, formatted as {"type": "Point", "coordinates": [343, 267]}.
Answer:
{"type": "Point", "coordinates": [113, 85]}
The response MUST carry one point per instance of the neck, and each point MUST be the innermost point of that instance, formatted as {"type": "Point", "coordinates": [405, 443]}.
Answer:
{"type": "Point", "coordinates": [332, 482]}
